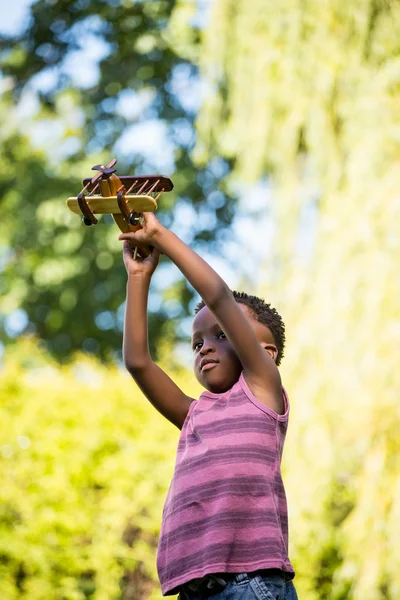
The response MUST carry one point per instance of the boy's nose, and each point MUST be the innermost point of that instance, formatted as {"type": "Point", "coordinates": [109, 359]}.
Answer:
{"type": "Point", "coordinates": [207, 348]}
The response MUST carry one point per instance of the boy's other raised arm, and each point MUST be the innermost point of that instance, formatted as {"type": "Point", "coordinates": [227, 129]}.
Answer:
{"type": "Point", "coordinates": [156, 385]}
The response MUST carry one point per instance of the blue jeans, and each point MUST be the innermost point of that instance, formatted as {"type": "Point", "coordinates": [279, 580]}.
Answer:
{"type": "Point", "coordinates": [245, 586]}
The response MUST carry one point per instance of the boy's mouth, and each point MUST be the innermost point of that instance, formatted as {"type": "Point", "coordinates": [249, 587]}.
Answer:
{"type": "Point", "coordinates": [207, 363]}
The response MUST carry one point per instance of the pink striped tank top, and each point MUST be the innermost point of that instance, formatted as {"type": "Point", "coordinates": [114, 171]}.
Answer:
{"type": "Point", "coordinates": [225, 510]}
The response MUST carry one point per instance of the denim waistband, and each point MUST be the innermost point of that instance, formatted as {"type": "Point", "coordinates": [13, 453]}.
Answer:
{"type": "Point", "coordinates": [216, 582]}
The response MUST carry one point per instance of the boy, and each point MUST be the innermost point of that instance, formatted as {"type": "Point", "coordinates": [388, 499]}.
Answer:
{"type": "Point", "coordinates": [224, 528]}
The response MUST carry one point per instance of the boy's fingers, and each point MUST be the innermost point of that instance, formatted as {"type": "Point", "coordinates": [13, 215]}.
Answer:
{"type": "Point", "coordinates": [130, 235]}
{"type": "Point", "coordinates": [127, 249]}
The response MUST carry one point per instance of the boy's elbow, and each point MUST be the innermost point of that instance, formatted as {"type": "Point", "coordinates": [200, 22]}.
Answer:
{"type": "Point", "coordinates": [219, 295]}
{"type": "Point", "coordinates": [135, 366]}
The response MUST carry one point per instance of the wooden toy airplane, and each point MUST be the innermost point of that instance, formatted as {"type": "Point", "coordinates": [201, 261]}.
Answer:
{"type": "Point", "coordinates": [124, 197]}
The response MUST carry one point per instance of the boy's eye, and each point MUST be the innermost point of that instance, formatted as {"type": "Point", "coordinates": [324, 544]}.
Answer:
{"type": "Point", "coordinates": [196, 345]}
{"type": "Point", "coordinates": [221, 333]}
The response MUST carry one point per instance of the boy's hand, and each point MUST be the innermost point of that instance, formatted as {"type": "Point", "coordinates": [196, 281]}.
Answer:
{"type": "Point", "coordinates": [139, 266]}
{"type": "Point", "coordinates": [151, 226]}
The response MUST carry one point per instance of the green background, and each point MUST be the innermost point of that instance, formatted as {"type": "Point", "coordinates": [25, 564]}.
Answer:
{"type": "Point", "coordinates": [298, 101]}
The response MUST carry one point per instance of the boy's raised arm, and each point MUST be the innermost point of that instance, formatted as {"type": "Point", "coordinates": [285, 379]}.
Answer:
{"type": "Point", "coordinates": [156, 385]}
{"type": "Point", "coordinates": [259, 367]}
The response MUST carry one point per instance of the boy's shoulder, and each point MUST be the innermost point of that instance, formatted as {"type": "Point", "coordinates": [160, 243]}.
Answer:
{"type": "Point", "coordinates": [240, 394]}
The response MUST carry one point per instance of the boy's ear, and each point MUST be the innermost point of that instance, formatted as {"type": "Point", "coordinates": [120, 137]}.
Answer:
{"type": "Point", "coordinates": [271, 349]}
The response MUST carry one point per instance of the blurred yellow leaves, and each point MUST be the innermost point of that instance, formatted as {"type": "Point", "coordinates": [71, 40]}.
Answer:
{"type": "Point", "coordinates": [84, 460]}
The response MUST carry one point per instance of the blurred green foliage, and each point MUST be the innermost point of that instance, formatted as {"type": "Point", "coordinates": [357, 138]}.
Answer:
{"type": "Point", "coordinates": [308, 95]}
{"type": "Point", "coordinates": [302, 95]}
{"type": "Point", "coordinates": [85, 464]}
{"type": "Point", "coordinates": [56, 121]}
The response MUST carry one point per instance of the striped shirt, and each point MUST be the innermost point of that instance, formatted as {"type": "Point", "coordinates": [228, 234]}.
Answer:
{"type": "Point", "coordinates": [225, 510]}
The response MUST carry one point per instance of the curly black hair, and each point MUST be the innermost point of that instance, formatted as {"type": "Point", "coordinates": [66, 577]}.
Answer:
{"type": "Point", "coordinates": [263, 313]}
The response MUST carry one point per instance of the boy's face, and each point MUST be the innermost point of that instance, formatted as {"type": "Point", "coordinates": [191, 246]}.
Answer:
{"type": "Point", "coordinates": [216, 364]}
